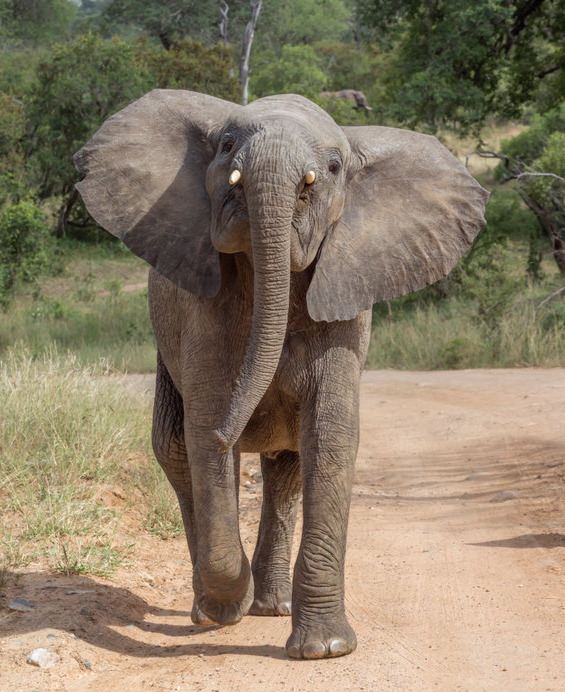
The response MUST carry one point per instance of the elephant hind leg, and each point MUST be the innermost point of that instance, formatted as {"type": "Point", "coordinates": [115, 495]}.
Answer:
{"type": "Point", "coordinates": [282, 486]}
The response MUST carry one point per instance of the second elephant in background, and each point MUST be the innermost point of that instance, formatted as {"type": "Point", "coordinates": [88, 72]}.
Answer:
{"type": "Point", "coordinates": [356, 98]}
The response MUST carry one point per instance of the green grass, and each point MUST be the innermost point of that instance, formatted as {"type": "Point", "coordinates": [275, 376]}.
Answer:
{"type": "Point", "coordinates": [89, 310]}
{"type": "Point", "coordinates": [452, 334]}
{"type": "Point", "coordinates": [74, 457]}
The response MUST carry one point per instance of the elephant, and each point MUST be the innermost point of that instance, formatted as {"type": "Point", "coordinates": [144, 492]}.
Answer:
{"type": "Point", "coordinates": [357, 98]}
{"type": "Point", "coordinates": [270, 232]}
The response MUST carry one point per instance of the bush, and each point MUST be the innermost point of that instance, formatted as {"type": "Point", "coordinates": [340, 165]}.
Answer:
{"type": "Point", "coordinates": [297, 71]}
{"type": "Point", "coordinates": [80, 85]}
{"type": "Point", "coordinates": [191, 65]}
{"type": "Point", "coordinates": [12, 133]}
{"type": "Point", "coordinates": [25, 246]}
{"type": "Point", "coordinates": [537, 158]}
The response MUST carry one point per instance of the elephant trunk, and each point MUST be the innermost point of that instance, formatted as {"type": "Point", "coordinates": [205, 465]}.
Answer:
{"type": "Point", "coordinates": [271, 199]}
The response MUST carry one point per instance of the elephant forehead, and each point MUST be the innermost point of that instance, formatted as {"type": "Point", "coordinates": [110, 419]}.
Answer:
{"type": "Point", "coordinates": [296, 113]}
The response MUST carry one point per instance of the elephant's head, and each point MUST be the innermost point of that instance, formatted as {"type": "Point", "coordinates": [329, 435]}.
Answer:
{"type": "Point", "coordinates": [376, 212]}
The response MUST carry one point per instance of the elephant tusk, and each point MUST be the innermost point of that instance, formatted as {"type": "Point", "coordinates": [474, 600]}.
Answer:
{"type": "Point", "coordinates": [235, 176]}
{"type": "Point", "coordinates": [310, 177]}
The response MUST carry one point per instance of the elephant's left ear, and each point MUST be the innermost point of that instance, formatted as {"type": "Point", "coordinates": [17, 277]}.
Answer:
{"type": "Point", "coordinates": [411, 211]}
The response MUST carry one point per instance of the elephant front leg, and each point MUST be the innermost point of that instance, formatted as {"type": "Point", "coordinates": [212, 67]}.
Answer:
{"type": "Point", "coordinates": [271, 562]}
{"type": "Point", "coordinates": [170, 451]}
{"type": "Point", "coordinates": [328, 447]}
{"type": "Point", "coordinates": [223, 587]}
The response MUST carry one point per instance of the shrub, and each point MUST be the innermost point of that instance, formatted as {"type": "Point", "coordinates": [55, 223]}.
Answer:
{"type": "Point", "coordinates": [25, 246]}
{"type": "Point", "coordinates": [297, 71]}
{"type": "Point", "coordinates": [190, 65]}
{"type": "Point", "coordinates": [80, 85]}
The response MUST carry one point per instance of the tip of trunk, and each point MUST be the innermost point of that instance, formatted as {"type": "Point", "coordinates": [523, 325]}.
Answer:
{"type": "Point", "coordinates": [225, 440]}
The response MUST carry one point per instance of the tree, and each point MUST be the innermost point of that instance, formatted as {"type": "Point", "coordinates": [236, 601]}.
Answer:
{"type": "Point", "coordinates": [33, 22]}
{"type": "Point", "coordinates": [298, 71]}
{"type": "Point", "coordinates": [536, 159]}
{"type": "Point", "coordinates": [191, 65]}
{"type": "Point", "coordinates": [303, 22]}
{"type": "Point", "coordinates": [248, 34]}
{"type": "Point", "coordinates": [456, 61]}
{"type": "Point", "coordinates": [80, 85]}
{"type": "Point", "coordinates": [167, 20]}
{"type": "Point", "coordinates": [12, 134]}
{"type": "Point", "coordinates": [24, 246]}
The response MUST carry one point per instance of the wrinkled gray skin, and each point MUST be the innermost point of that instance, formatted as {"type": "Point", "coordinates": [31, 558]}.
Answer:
{"type": "Point", "coordinates": [356, 98]}
{"type": "Point", "coordinates": [260, 300]}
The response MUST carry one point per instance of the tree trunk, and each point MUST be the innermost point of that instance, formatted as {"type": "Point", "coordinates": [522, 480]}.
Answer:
{"type": "Point", "coordinates": [223, 26]}
{"type": "Point", "coordinates": [248, 34]}
{"type": "Point", "coordinates": [64, 212]}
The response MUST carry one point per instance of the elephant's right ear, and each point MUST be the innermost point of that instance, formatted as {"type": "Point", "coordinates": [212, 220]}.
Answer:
{"type": "Point", "coordinates": [145, 172]}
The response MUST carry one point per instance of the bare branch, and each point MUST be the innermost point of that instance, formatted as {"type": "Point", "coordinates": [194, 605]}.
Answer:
{"type": "Point", "coordinates": [560, 291]}
{"type": "Point", "coordinates": [551, 70]}
{"type": "Point", "coordinates": [223, 26]}
{"type": "Point", "coordinates": [538, 175]}
{"type": "Point", "coordinates": [246, 49]}
{"type": "Point", "coordinates": [485, 154]}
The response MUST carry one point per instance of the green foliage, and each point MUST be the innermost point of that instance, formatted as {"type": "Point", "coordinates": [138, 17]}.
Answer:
{"type": "Point", "coordinates": [35, 21]}
{"type": "Point", "coordinates": [488, 281]}
{"type": "Point", "coordinates": [507, 218]}
{"type": "Point", "coordinates": [302, 22]}
{"type": "Point", "coordinates": [354, 66]}
{"type": "Point", "coordinates": [456, 61]}
{"type": "Point", "coordinates": [80, 85]}
{"type": "Point", "coordinates": [429, 335]}
{"type": "Point", "coordinates": [537, 158]}
{"type": "Point", "coordinates": [24, 246]}
{"type": "Point", "coordinates": [66, 433]}
{"type": "Point", "coordinates": [547, 190]}
{"type": "Point", "coordinates": [297, 71]}
{"type": "Point", "coordinates": [190, 65]}
{"type": "Point", "coordinates": [12, 133]}
{"type": "Point", "coordinates": [530, 144]}
{"type": "Point", "coordinates": [444, 69]}
{"type": "Point", "coordinates": [342, 111]}
{"type": "Point", "coordinates": [167, 20]}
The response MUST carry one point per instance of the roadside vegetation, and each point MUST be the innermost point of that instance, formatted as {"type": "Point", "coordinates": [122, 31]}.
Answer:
{"type": "Point", "coordinates": [77, 478]}
{"type": "Point", "coordinates": [74, 461]}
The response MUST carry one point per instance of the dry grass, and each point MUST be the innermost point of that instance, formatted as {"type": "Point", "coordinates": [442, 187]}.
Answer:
{"type": "Point", "coordinates": [71, 437]}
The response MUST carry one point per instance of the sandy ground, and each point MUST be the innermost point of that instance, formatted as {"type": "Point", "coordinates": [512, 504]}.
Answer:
{"type": "Point", "coordinates": [455, 567]}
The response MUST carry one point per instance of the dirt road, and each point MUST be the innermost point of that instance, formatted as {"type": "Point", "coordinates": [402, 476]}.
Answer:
{"type": "Point", "coordinates": [455, 565]}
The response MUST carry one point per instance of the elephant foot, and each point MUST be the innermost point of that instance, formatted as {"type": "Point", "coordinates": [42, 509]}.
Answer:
{"type": "Point", "coordinates": [326, 640]}
{"type": "Point", "coordinates": [277, 604]}
{"type": "Point", "coordinates": [208, 611]}
{"type": "Point", "coordinates": [273, 597]}
{"type": "Point", "coordinates": [198, 617]}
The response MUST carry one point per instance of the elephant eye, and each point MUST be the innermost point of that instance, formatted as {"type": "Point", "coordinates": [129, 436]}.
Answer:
{"type": "Point", "coordinates": [227, 146]}
{"type": "Point", "coordinates": [334, 167]}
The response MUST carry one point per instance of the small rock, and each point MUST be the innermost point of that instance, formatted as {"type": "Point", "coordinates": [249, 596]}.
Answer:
{"type": "Point", "coordinates": [21, 604]}
{"type": "Point", "coordinates": [87, 664]}
{"type": "Point", "coordinates": [43, 658]}
{"type": "Point", "coordinates": [52, 636]}
{"type": "Point", "coordinates": [145, 576]}
{"type": "Point", "coordinates": [505, 495]}
{"type": "Point", "coordinates": [80, 592]}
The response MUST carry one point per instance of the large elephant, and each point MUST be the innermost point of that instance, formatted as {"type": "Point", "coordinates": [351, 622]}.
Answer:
{"type": "Point", "coordinates": [356, 98]}
{"type": "Point", "coordinates": [271, 232]}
